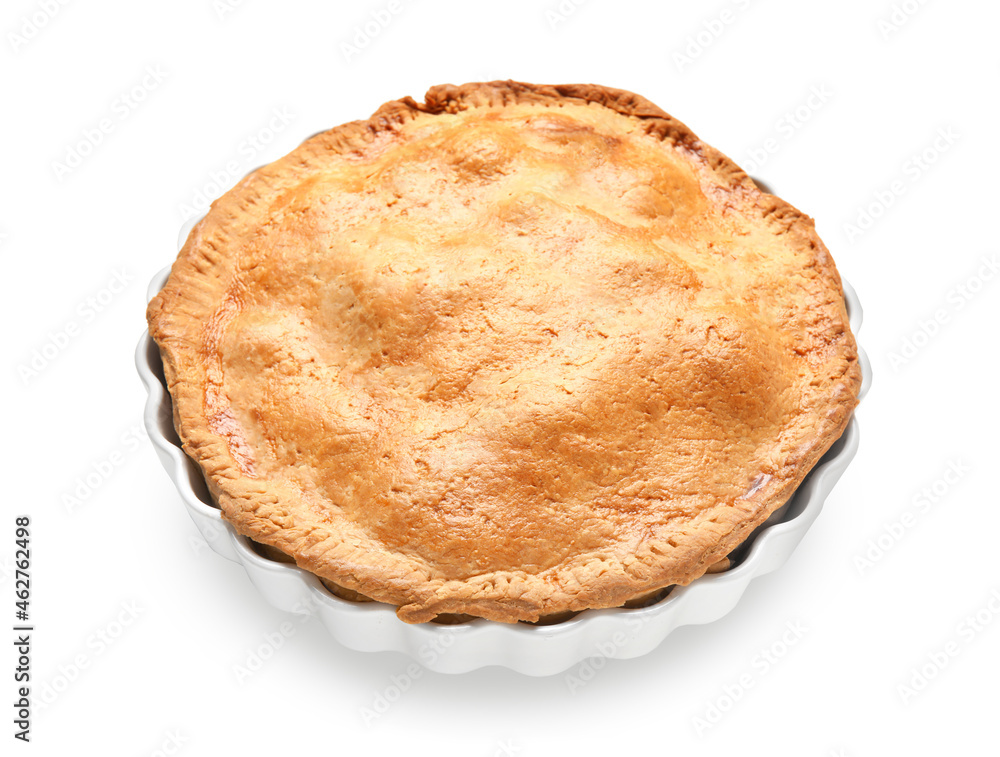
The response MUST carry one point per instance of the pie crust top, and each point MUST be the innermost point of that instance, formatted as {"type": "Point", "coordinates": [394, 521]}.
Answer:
{"type": "Point", "coordinates": [513, 351]}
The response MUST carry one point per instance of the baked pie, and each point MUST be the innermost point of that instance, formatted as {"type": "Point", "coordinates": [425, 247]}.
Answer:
{"type": "Point", "coordinates": [512, 352]}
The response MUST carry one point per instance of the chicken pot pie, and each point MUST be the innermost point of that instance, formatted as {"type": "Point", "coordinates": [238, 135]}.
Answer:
{"type": "Point", "coordinates": [512, 352]}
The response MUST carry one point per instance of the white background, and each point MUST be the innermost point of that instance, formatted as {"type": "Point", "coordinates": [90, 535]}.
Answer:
{"type": "Point", "coordinates": [140, 628]}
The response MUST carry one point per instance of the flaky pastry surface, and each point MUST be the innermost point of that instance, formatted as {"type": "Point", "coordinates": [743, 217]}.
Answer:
{"type": "Point", "coordinates": [513, 351]}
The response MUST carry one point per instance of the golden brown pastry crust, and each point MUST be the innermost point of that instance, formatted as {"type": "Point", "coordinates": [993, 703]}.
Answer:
{"type": "Point", "coordinates": [514, 351]}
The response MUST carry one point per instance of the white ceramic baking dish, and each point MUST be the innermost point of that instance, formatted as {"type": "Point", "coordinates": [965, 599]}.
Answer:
{"type": "Point", "coordinates": [536, 650]}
